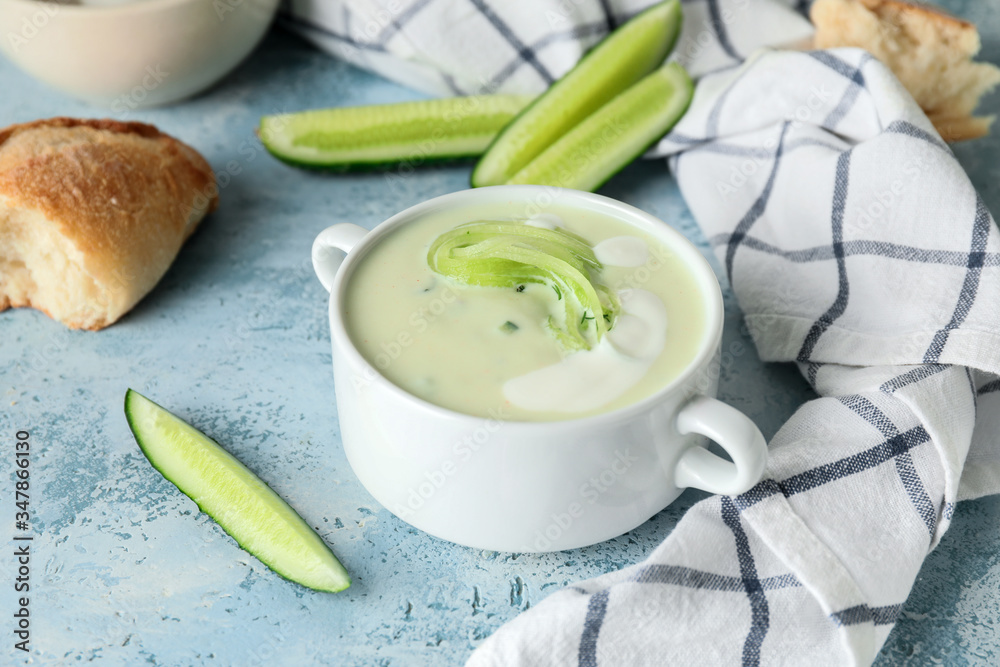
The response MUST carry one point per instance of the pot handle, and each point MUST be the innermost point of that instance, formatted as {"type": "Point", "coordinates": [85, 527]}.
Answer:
{"type": "Point", "coordinates": [330, 248]}
{"type": "Point", "coordinates": [736, 433]}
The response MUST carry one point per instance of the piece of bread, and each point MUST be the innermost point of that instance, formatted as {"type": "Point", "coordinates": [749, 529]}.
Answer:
{"type": "Point", "coordinates": [92, 213]}
{"type": "Point", "coordinates": [928, 50]}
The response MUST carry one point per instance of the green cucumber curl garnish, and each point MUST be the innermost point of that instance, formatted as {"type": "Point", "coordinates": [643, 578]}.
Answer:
{"type": "Point", "coordinates": [491, 253]}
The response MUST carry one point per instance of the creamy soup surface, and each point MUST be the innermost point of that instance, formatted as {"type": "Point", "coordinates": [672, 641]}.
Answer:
{"type": "Point", "coordinates": [486, 351]}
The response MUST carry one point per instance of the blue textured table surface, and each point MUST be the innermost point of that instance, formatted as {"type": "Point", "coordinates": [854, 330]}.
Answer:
{"type": "Point", "coordinates": [126, 570]}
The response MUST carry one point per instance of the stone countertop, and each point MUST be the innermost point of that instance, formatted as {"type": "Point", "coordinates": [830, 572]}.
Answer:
{"type": "Point", "coordinates": [125, 569]}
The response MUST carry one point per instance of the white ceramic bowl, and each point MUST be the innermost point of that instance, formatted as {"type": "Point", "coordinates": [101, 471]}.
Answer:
{"type": "Point", "coordinates": [533, 486]}
{"type": "Point", "coordinates": [134, 54]}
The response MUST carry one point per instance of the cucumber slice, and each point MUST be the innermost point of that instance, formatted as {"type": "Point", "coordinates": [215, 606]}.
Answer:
{"type": "Point", "coordinates": [622, 58]}
{"type": "Point", "coordinates": [246, 508]}
{"type": "Point", "coordinates": [620, 131]}
{"type": "Point", "coordinates": [369, 136]}
{"type": "Point", "coordinates": [500, 254]}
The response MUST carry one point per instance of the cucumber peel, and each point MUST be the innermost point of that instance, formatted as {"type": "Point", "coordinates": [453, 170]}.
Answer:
{"type": "Point", "coordinates": [226, 490]}
{"type": "Point", "coordinates": [371, 136]}
{"type": "Point", "coordinates": [620, 131]}
{"type": "Point", "coordinates": [509, 255]}
{"type": "Point", "coordinates": [625, 56]}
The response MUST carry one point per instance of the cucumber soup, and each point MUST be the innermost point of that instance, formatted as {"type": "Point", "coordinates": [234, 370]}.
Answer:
{"type": "Point", "coordinates": [492, 351]}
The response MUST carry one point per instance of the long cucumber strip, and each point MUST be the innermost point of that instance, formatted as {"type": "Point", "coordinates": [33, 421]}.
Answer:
{"type": "Point", "coordinates": [226, 490]}
{"type": "Point", "coordinates": [484, 239]}
{"type": "Point", "coordinates": [496, 254]}
{"type": "Point", "coordinates": [350, 137]}
{"type": "Point", "coordinates": [622, 58]}
{"type": "Point", "coordinates": [599, 147]}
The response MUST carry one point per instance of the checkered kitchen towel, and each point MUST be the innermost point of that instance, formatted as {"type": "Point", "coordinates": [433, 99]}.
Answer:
{"type": "Point", "coordinates": [857, 248]}
{"type": "Point", "coordinates": [463, 47]}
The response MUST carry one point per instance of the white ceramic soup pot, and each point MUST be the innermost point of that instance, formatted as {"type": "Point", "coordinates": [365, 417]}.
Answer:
{"type": "Point", "coordinates": [534, 486]}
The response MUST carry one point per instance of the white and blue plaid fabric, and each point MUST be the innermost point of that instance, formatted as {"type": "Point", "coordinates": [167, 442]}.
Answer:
{"type": "Point", "coordinates": [463, 47]}
{"type": "Point", "coordinates": [857, 247]}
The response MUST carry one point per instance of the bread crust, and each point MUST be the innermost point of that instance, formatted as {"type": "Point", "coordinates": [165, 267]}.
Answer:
{"type": "Point", "coordinates": [928, 49]}
{"type": "Point", "coordinates": [928, 12]}
{"type": "Point", "coordinates": [125, 196]}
